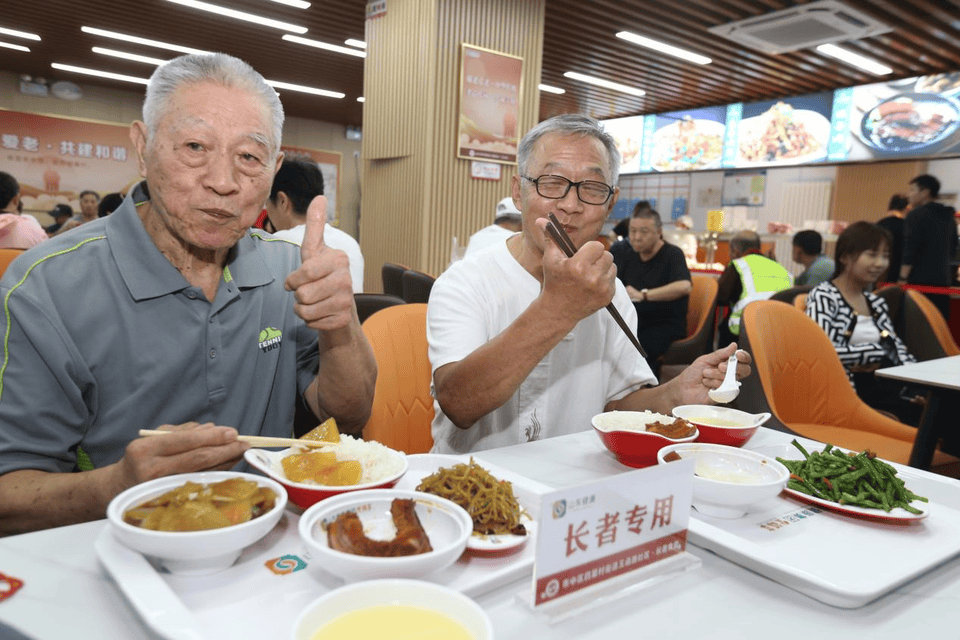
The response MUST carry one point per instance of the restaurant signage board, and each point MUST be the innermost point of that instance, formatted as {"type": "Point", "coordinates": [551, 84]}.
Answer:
{"type": "Point", "coordinates": [917, 117]}
{"type": "Point", "coordinates": [628, 138]}
{"type": "Point", "coordinates": [490, 92]}
{"type": "Point", "coordinates": [601, 530]}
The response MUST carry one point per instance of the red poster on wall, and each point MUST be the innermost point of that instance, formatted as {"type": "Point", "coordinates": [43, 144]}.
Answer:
{"type": "Point", "coordinates": [55, 158]}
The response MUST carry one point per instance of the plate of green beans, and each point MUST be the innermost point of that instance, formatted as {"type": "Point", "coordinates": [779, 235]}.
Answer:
{"type": "Point", "coordinates": [858, 484]}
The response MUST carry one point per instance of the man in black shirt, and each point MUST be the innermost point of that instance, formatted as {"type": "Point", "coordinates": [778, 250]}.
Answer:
{"type": "Point", "coordinates": [893, 222]}
{"type": "Point", "coordinates": [657, 279]}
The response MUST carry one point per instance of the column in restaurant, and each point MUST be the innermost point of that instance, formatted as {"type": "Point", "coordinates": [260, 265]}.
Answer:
{"type": "Point", "coordinates": [417, 195]}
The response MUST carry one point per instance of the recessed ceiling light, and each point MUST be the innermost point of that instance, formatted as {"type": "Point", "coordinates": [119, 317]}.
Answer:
{"type": "Point", "coordinates": [19, 34]}
{"type": "Point", "coordinates": [663, 47]}
{"type": "Point", "coordinates": [361, 99]}
{"type": "Point", "coordinates": [616, 86]}
{"type": "Point", "coordinates": [240, 15]}
{"type": "Point", "coordinates": [549, 89]}
{"type": "Point", "coordinates": [299, 4]}
{"type": "Point", "coordinates": [17, 47]}
{"type": "Point", "coordinates": [128, 56]}
{"type": "Point", "coordinates": [303, 89]}
{"type": "Point", "coordinates": [324, 45]}
{"type": "Point", "coordinates": [360, 44]}
{"type": "Point", "coordinates": [854, 59]}
{"type": "Point", "coordinates": [144, 41]}
{"type": "Point", "coordinates": [101, 74]}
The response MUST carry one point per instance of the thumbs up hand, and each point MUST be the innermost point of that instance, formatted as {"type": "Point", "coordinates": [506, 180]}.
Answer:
{"type": "Point", "coordinates": [321, 286]}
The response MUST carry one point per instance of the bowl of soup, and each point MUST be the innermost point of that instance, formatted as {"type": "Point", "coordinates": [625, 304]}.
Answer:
{"type": "Point", "coordinates": [312, 475]}
{"type": "Point", "coordinates": [197, 523]}
{"type": "Point", "coordinates": [721, 425]}
{"type": "Point", "coordinates": [392, 609]}
{"type": "Point", "coordinates": [634, 437]}
{"type": "Point", "coordinates": [728, 481]}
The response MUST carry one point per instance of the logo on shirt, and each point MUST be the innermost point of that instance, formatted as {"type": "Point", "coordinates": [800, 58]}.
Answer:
{"type": "Point", "coordinates": [270, 339]}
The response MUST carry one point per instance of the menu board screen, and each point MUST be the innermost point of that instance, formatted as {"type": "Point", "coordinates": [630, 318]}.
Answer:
{"type": "Point", "coordinates": [786, 131]}
{"type": "Point", "coordinates": [687, 140]}
{"type": "Point", "coordinates": [628, 134]}
{"type": "Point", "coordinates": [915, 116]}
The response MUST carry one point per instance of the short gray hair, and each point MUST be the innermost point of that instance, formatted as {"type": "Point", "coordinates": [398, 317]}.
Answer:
{"type": "Point", "coordinates": [217, 68]}
{"type": "Point", "coordinates": [570, 124]}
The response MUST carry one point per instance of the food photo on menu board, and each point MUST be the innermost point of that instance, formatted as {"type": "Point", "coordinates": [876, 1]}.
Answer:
{"type": "Point", "coordinates": [786, 131]}
{"type": "Point", "coordinates": [688, 140]}
{"type": "Point", "coordinates": [915, 116]}
{"type": "Point", "coordinates": [628, 135]}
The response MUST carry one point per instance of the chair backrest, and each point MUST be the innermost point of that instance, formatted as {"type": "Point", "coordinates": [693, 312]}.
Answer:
{"type": "Point", "coordinates": [800, 302]}
{"type": "Point", "coordinates": [369, 303]}
{"type": "Point", "coordinates": [392, 277]}
{"type": "Point", "coordinates": [402, 405]}
{"type": "Point", "coordinates": [928, 333]}
{"type": "Point", "coordinates": [701, 312]}
{"type": "Point", "coordinates": [894, 297]}
{"type": "Point", "coordinates": [790, 295]}
{"type": "Point", "coordinates": [6, 257]}
{"type": "Point", "coordinates": [417, 286]}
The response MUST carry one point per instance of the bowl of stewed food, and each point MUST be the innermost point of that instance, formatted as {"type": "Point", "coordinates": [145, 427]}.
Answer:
{"type": "Point", "coordinates": [634, 437]}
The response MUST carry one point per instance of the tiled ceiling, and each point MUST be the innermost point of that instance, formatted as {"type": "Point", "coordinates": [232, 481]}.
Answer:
{"type": "Point", "coordinates": [579, 36]}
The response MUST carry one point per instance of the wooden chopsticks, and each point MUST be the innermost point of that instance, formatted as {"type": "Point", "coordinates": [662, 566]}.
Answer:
{"type": "Point", "coordinates": [258, 441]}
{"type": "Point", "coordinates": [560, 237]}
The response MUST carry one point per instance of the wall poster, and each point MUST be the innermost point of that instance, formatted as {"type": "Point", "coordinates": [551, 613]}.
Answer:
{"type": "Point", "coordinates": [490, 88]}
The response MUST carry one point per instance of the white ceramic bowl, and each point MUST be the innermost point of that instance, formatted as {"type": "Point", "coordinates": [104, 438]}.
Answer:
{"type": "Point", "coordinates": [192, 552]}
{"type": "Point", "coordinates": [408, 593]}
{"type": "Point", "coordinates": [447, 524]}
{"type": "Point", "coordinates": [729, 480]}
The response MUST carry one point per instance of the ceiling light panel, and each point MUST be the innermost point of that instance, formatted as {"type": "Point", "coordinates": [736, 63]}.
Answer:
{"type": "Point", "coordinates": [854, 59]}
{"type": "Point", "coordinates": [600, 82]}
{"type": "Point", "coordinates": [15, 47]}
{"type": "Point", "coordinates": [324, 45]}
{"type": "Point", "coordinates": [144, 41]}
{"type": "Point", "coordinates": [663, 47]}
{"type": "Point", "coordinates": [240, 15]}
{"type": "Point", "coordinates": [128, 56]}
{"type": "Point", "coordinates": [299, 4]}
{"type": "Point", "coordinates": [98, 73]}
{"type": "Point", "coordinates": [549, 89]}
{"type": "Point", "coordinates": [303, 89]}
{"type": "Point", "coordinates": [19, 34]}
{"type": "Point", "coordinates": [360, 44]}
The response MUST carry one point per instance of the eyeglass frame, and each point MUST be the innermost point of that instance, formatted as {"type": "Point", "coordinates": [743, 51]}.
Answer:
{"type": "Point", "coordinates": [570, 185]}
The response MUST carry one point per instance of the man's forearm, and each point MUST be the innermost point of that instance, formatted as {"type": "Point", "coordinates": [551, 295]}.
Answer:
{"type": "Point", "coordinates": [660, 399]}
{"type": "Point", "coordinates": [670, 291]}
{"type": "Point", "coordinates": [31, 500]}
{"type": "Point", "coordinates": [346, 380]}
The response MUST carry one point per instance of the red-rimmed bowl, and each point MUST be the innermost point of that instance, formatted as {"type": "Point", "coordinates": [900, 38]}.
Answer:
{"type": "Point", "coordinates": [625, 434]}
{"type": "Point", "coordinates": [721, 425]}
{"type": "Point", "coordinates": [383, 467]}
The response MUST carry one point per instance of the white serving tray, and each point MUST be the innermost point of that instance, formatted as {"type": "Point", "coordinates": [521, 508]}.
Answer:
{"type": "Point", "coordinates": [249, 600]}
{"type": "Point", "coordinates": [838, 559]}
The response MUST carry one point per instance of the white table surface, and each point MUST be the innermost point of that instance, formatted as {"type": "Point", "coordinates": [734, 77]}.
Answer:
{"type": "Point", "coordinates": [941, 372]}
{"type": "Point", "coordinates": [68, 595]}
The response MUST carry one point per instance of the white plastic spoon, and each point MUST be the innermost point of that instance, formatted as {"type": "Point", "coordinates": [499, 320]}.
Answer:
{"type": "Point", "coordinates": [730, 388]}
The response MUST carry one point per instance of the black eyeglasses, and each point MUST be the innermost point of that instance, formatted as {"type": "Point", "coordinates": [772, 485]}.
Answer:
{"type": "Point", "coordinates": [556, 187]}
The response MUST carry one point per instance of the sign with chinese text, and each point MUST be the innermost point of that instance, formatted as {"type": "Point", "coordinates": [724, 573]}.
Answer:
{"type": "Point", "coordinates": [604, 529]}
{"type": "Point", "coordinates": [490, 85]}
{"type": "Point", "coordinates": [55, 158]}
{"type": "Point", "coordinates": [376, 9]}
{"type": "Point", "coordinates": [329, 163]}
{"type": "Point", "coordinates": [485, 170]}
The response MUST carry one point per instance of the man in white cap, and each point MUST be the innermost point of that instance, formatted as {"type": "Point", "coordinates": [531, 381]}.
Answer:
{"type": "Point", "coordinates": [506, 222]}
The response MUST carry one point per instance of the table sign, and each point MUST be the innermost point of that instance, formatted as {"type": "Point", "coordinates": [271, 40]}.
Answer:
{"type": "Point", "coordinates": [597, 535]}
{"type": "Point", "coordinates": [484, 170]}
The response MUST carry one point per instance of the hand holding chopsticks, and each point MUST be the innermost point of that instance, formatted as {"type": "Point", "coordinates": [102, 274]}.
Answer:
{"type": "Point", "coordinates": [259, 441]}
{"type": "Point", "coordinates": [562, 240]}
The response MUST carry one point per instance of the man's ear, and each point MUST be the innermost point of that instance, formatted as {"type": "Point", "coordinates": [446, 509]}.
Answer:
{"type": "Point", "coordinates": [138, 136]}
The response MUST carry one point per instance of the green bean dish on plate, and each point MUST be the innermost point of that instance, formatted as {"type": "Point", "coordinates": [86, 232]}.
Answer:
{"type": "Point", "coordinates": [856, 484]}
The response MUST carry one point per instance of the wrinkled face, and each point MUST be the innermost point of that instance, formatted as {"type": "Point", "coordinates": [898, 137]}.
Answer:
{"type": "Point", "coordinates": [209, 166]}
{"type": "Point", "coordinates": [869, 266]}
{"type": "Point", "coordinates": [88, 206]}
{"type": "Point", "coordinates": [644, 234]}
{"type": "Point", "coordinates": [575, 158]}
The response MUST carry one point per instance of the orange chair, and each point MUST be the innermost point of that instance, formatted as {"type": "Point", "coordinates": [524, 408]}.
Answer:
{"type": "Point", "coordinates": [922, 318]}
{"type": "Point", "coordinates": [800, 302]}
{"type": "Point", "coordinates": [806, 389]}
{"type": "Point", "coordinates": [6, 257]}
{"type": "Point", "coordinates": [701, 310]}
{"type": "Point", "coordinates": [402, 405]}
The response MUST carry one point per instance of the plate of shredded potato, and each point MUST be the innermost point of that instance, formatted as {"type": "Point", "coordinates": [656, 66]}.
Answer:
{"type": "Point", "coordinates": [501, 524]}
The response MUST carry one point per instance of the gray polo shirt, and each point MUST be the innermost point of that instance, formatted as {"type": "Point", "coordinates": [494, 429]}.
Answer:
{"type": "Point", "coordinates": [103, 336]}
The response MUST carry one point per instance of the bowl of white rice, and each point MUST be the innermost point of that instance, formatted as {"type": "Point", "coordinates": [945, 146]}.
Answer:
{"type": "Point", "coordinates": [632, 436]}
{"type": "Point", "coordinates": [382, 467]}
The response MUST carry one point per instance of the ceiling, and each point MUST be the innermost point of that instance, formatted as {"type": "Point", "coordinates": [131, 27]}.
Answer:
{"type": "Point", "coordinates": [579, 36]}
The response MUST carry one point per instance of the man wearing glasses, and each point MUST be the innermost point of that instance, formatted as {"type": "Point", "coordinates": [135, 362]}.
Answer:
{"type": "Point", "coordinates": [520, 344]}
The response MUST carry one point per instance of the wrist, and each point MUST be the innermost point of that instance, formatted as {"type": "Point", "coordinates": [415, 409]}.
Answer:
{"type": "Point", "coordinates": [644, 294]}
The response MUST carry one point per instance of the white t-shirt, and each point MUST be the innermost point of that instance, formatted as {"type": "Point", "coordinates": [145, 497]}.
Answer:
{"type": "Point", "coordinates": [486, 237]}
{"type": "Point", "coordinates": [865, 331]}
{"type": "Point", "coordinates": [480, 296]}
{"type": "Point", "coordinates": [337, 239]}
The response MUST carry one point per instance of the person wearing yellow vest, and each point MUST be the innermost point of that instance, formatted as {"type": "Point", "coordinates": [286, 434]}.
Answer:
{"type": "Point", "coordinates": [750, 276]}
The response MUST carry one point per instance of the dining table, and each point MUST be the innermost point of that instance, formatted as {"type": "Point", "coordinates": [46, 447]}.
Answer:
{"type": "Point", "coordinates": [68, 591]}
{"type": "Point", "coordinates": [941, 377]}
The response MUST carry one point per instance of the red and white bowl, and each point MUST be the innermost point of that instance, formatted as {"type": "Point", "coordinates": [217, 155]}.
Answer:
{"type": "Point", "coordinates": [624, 434]}
{"type": "Point", "coordinates": [721, 425]}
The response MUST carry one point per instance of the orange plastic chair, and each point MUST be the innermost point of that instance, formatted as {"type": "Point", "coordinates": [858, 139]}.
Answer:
{"type": "Point", "coordinates": [402, 405]}
{"type": "Point", "coordinates": [927, 317]}
{"type": "Point", "coordinates": [701, 310]}
{"type": "Point", "coordinates": [6, 257]}
{"type": "Point", "coordinates": [800, 302]}
{"type": "Point", "coordinates": [806, 388]}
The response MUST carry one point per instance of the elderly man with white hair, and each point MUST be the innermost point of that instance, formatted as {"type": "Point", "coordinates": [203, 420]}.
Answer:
{"type": "Point", "coordinates": [172, 313]}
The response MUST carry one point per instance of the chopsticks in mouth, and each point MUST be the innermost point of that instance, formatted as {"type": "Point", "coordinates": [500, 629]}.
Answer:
{"type": "Point", "coordinates": [560, 237]}
{"type": "Point", "coordinates": [259, 442]}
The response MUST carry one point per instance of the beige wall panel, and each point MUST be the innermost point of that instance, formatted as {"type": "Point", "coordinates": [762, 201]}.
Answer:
{"type": "Point", "coordinates": [863, 190]}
